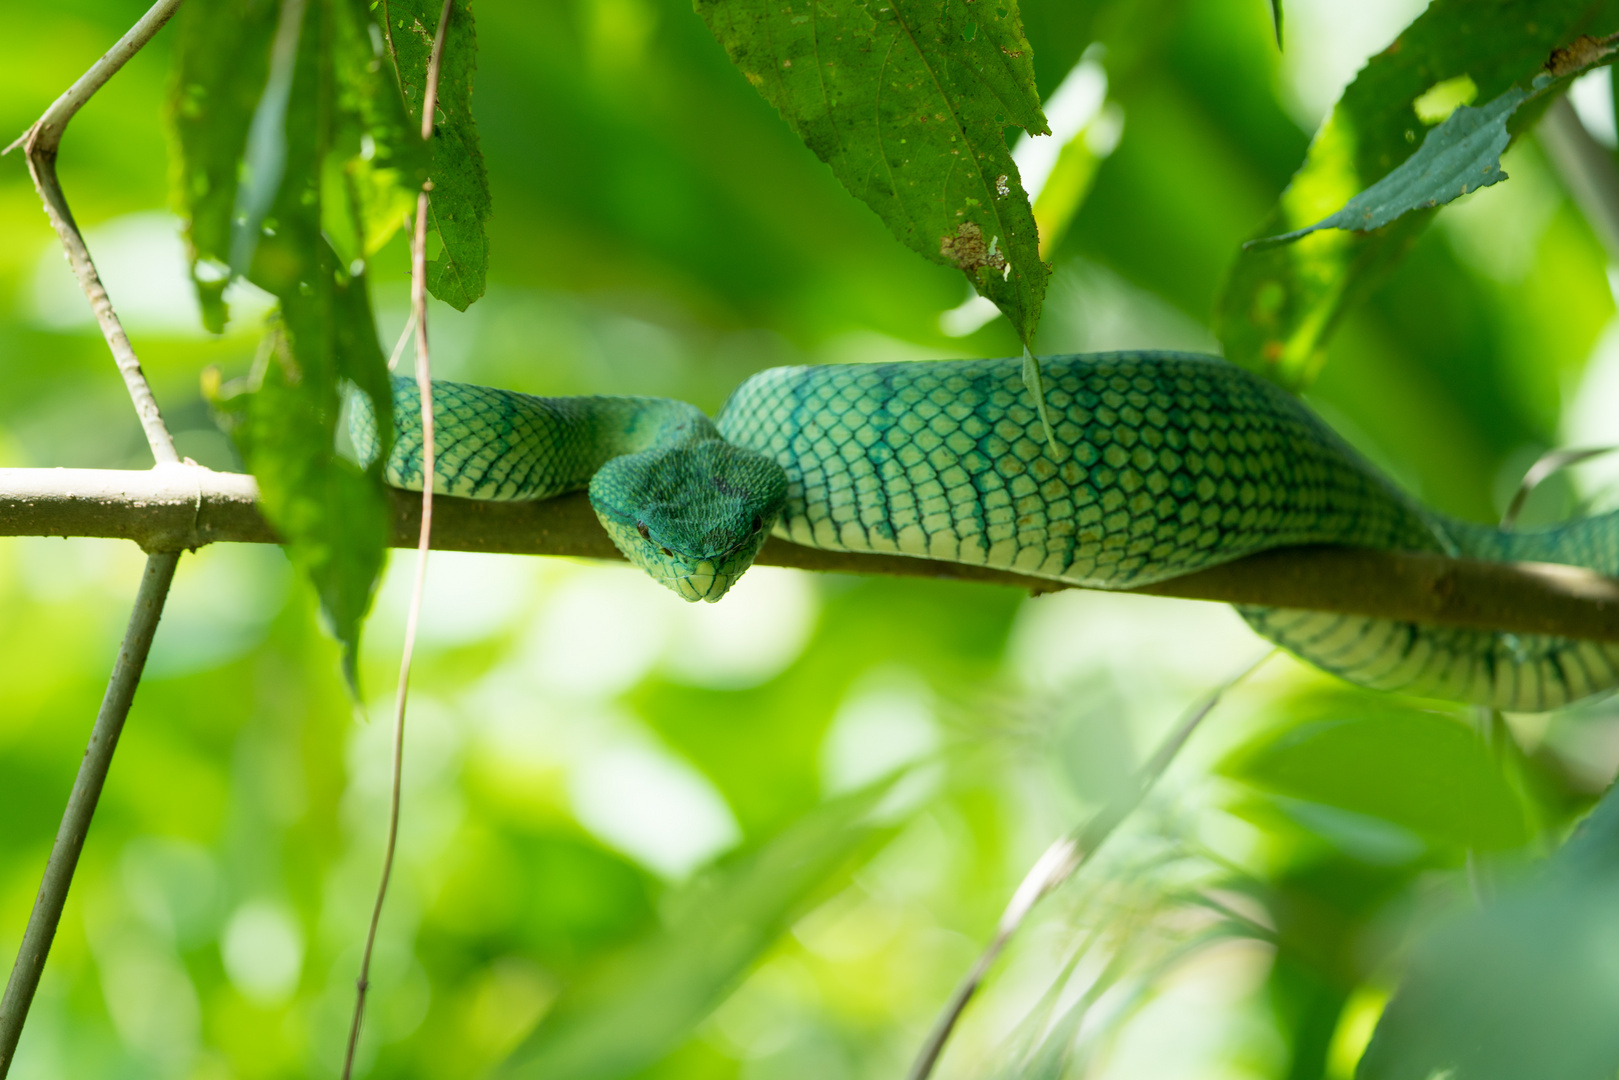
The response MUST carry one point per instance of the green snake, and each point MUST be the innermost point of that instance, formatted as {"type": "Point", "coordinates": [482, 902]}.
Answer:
{"type": "Point", "coordinates": [1158, 464]}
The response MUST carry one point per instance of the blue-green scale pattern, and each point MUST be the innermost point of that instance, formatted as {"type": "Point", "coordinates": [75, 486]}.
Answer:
{"type": "Point", "coordinates": [1165, 463]}
{"type": "Point", "coordinates": [502, 445]}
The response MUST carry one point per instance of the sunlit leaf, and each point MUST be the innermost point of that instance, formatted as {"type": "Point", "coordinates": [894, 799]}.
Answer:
{"type": "Point", "coordinates": [459, 203]}
{"type": "Point", "coordinates": [908, 102]}
{"type": "Point", "coordinates": [1424, 771]}
{"type": "Point", "coordinates": [640, 1006]}
{"type": "Point", "coordinates": [1461, 155]}
{"type": "Point", "coordinates": [1279, 304]}
{"type": "Point", "coordinates": [1527, 986]}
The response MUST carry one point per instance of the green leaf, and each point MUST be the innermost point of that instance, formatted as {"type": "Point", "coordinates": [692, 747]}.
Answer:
{"type": "Point", "coordinates": [1424, 771]}
{"type": "Point", "coordinates": [458, 205]}
{"type": "Point", "coordinates": [222, 58]}
{"type": "Point", "coordinates": [908, 102]}
{"type": "Point", "coordinates": [326, 159]}
{"type": "Point", "coordinates": [378, 160]}
{"type": "Point", "coordinates": [1279, 304]}
{"type": "Point", "coordinates": [1276, 20]}
{"type": "Point", "coordinates": [1528, 986]}
{"type": "Point", "coordinates": [333, 516]}
{"type": "Point", "coordinates": [641, 1006]}
{"type": "Point", "coordinates": [1461, 155]}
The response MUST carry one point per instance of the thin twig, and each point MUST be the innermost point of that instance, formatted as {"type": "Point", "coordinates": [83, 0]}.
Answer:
{"type": "Point", "coordinates": [399, 346]}
{"type": "Point", "coordinates": [1548, 465]}
{"type": "Point", "coordinates": [424, 385]}
{"type": "Point", "coordinates": [40, 144]}
{"type": "Point", "coordinates": [81, 804]}
{"type": "Point", "coordinates": [1059, 863]}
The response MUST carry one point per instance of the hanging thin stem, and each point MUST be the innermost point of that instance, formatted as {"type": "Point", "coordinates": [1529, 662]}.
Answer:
{"type": "Point", "coordinates": [424, 384]}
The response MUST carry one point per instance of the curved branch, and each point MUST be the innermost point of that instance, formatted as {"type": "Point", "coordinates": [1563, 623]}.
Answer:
{"type": "Point", "coordinates": [181, 506]}
{"type": "Point", "coordinates": [39, 145]}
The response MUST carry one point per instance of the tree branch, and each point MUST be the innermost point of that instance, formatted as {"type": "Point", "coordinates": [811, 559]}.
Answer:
{"type": "Point", "coordinates": [81, 804]}
{"type": "Point", "coordinates": [179, 506]}
{"type": "Point", "coordinates": [40, 144]}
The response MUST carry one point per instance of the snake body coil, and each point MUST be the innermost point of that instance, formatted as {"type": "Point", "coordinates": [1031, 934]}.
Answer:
{"type": "Point", "coordinates": [1165, 463]}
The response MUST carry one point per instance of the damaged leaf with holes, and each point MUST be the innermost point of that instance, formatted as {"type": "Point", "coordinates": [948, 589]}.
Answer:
{"type": "Point", "coordinates": [458, 205]}
{"type": "Point", "coordinates": [1461, 155]}
{"type": "Point", "coordinates": [908, 103]}
{"type": "Point", "coordinates": [1279, 305]}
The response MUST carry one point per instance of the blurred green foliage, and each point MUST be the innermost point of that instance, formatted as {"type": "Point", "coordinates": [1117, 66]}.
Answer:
{"type": "Point", "coordinates": [627, 841]}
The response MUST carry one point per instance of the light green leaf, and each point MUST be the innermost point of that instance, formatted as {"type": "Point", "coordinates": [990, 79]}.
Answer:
{"type": "Point", "coordinates": [908, 102]}
{"type": "Point", "coordinates": [1527, 986]}
{"type": "Point", "coordinates": [1424, 771]}
{"type": "Point", "coordinates": [639, 1007]}
{"type": "Point", "coordinates": [458, 205]}
{"type": "Point", "coordinates": [1279, 304]}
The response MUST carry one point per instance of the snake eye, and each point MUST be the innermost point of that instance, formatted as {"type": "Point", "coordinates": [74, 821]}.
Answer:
{"type": "Point", "coordinates": [640, 527]}
{"type": "Point", "coordinates": [666, 551]}
{"type": "Point", "coordinates": [757, 522]}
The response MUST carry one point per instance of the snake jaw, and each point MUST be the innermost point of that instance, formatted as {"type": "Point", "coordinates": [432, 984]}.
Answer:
{"type": "Point", "coordinates": [690, 577]}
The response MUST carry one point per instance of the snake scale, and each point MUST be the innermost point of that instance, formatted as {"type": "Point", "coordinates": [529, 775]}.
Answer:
{"type": "Point", "coordinates": [1163, 463]}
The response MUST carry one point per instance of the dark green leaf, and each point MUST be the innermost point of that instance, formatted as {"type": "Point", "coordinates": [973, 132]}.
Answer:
{"type": "Point", "coordinates": [641, 1006]}
{"type": "Point", "coordinates": [264, 161]}
{"type": "Point", "coordinates": [328, 157]}
{"type": "Point", "coordinates": [333, 516]}
{"type": "Point", "coordinates": [459, 203]}
{"type": "Point", "coordinates": [378, 160]}
{"type": "Point", "coordinates": [1529, 986]}
{"type": "Point", "coordinates": [221, 61]}
{"type": "Point", "coordinates": [1276, 19]}
{"type": "Point", "coordinates": [1425, 771]}
{"type": "Point", "coordinates": [908, 102]}
{"type": "Point", "coordinates": [1279, 304]}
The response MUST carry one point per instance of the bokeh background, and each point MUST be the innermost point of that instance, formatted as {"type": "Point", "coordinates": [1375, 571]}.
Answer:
{"type": "Point", "coordinates": [589, 760]}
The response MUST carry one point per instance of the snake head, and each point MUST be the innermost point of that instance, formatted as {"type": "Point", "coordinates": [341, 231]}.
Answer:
{"type": "Point", "coordinates": [693, 516]}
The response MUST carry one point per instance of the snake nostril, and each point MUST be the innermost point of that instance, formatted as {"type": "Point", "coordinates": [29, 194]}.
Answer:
{"type": "Point", "coordinates": [757, 522]}
{"type": "Point", "coordinates": [640, 527]}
